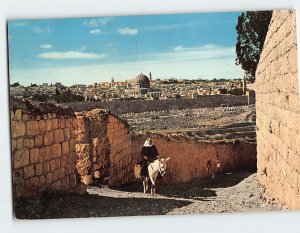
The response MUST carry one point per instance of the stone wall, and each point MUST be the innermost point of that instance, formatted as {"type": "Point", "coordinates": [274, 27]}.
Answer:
{"type": "Point", "coordinates": [119, 107]}
{"type": "Point", "coordinates": [103, 148]}
{"type": "Point", "coordinates": [188, 158]}
{"type": "Point", "coordinates": [55, 149]}
{"type": "Point", "coordinates": [43, 149]}
{"type": "Point", "coordinates": [278, 112]}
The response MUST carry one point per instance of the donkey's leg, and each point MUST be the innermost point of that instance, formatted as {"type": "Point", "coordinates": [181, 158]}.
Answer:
{"type": "Point", "coordinates": [152, 186]}
{"type": "Point", "coordinates": [145, 184]}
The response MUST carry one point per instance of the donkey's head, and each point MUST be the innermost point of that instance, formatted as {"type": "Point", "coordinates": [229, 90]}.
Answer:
{"type": "Point", "coordinates": [163, 166]}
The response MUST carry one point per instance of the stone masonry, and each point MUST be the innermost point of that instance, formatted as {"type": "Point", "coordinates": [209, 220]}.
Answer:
{"type": "Point", "coordinates": [103, 148]}
{"type": "Point", "coordinates": [188, 158]}
{"type": "Point", "coordinates": [43, 149]}
{"type": "Point", "coordinates": [55, 149]}
{"type": "Point", "coordinates": [278, 112]}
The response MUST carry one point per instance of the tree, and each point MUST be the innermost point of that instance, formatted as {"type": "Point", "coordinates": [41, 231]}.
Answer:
{"type": "Point", "coordinates": [15, 84]}
{"type": "Point", "coordinates": [252, 28]}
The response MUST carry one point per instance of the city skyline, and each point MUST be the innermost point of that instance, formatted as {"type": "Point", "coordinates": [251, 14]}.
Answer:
{"type": "Point", "coordinates": [88, 50]}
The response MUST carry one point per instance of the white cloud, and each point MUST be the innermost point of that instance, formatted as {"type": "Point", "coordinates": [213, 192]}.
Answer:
{"type": "Point", "coordinates": [71, 55]}
{"type": "Point", "coordinates": [105, 20]}
{"type": "Point", "coordinates": [226, 68]}
{"type": "Point", "coordinates": [207, 61]}
{"type": "Point", "coordinates": [46, 46]}
{"type": "Point", "coordinates": [94, 23]}
{"type": "Point", "coordinates": [38, 30]}
{"type": "Point", "coordinates": [95, 31]}
{"type": "Point", "coordinates": [128, 31]}
{"type": "Point", "coordinates": [178, 48]}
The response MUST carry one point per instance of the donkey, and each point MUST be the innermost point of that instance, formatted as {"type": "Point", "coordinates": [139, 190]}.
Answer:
{"type": "Point", "coordinates": [158, 166]}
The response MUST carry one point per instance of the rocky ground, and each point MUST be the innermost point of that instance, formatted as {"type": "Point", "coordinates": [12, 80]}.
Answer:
{"type": "Point", "coordinates": [198, 118]}
{"type": "Point", "coordinates": [229, 192]}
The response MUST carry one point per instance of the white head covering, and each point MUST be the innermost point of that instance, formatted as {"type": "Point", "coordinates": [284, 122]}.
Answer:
{"type": "Point", "coordinates": [147, 142]}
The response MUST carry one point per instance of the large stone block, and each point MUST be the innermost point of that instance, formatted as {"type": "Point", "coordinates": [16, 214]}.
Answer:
{"type": "Point", "coordinates": [38, 140]}
{"type": "Point", "coordinates": [39, 169]}
{"type": "Point", "coordinates": [42, 126]}
{"type": "Point", "coordinates": [56, 150]}
{"type": "Point", "coordinates": [54, 124]}
{"type": "Point", "coordinates": [48, 125]}
{"type": "Point", "coordinates": [65, 148]}
{"type": "Point", "coordinates": [62, 123]}
{"type": "Point", "coordinates": [20, 143]}
{"type": "Point", "coordinates": [17, 129]}
{"type": "Point", "coordinates": [28, 143]}
{"type": "Point", "coordinates": [46, 167]}
{"type": "Point", "coordinates": [21, 158]}
{"type": "Point", "coordinates": [34, 155]}
{"type": "Point", "coordinates": [58, 135]}
{"type": "Point", "coordinates": [18, 114]}
{"type": "Point", "coordinates": [48, 138]}
{"type": "Point", "coordinates": [33, 128]}
{"type": "Point", "coordinates": [28, 171]}
{"type": "Point", "coordinates": [67, 134]}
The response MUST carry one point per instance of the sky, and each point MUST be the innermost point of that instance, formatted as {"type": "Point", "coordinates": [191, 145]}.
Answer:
{"type": "Point", "coordinates": [93, 50]}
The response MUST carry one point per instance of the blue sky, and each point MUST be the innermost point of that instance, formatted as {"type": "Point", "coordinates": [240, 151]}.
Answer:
{"type": "Point", "coordinates": [88, 50]}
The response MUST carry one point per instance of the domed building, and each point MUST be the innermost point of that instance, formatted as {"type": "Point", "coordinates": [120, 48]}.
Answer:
{"type": "Point", "coordinates": [142, 88]}
{"type": "Point", "coordinates": [142, 81]}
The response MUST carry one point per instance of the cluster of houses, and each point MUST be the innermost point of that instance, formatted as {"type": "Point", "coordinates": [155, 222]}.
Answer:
{"type": "Point", "coordinates": [142, 87]}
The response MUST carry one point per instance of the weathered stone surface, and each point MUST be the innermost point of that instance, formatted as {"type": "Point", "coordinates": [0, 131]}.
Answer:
{"type": "Point", "coordinates": [33, 128]}
{"type": "Point", "coordinates": [38, 140]}
{"type": "Point", "coordinates": [28, 143]}
{"type": "Point", "coordinates": [82, 150]}
{"type": "Point", "coordinates": [39, 169]}
{"type": "Point", "coordinates": [34, 155]}
{"type": "Point", "coordinates": [42, 126]}
{"type": "Point", "coordinates": [28, 171]}
{"type": "Point", "coordinates": [46, 167]}
{"type": "Point", "coordinates": [58, 135]}
{"type": "Point", "coordinates": [48, 125]}
{"type": "Point", "coordinates": [56, 150]}
{"type": "Point", "coordinates": [65, 148]}
{"type": "Point", "coordinates": [83, 166]}
{"type": "Point", "coordinates": [17, 129]}
{"type": "Point", "coordinates": [21, 158]}
{"type": "Point", "coordinates": [54, 124]}
{"type": "Point", "coordinates": [48, 138]}
{"type": "Point", "coordinates": [18, 114]}
{"type": "Point", "coordinates": [20, 143]}
{"type": "Point", "coordinates": [278, 111]}
{"type": "Point", "coordinates": [87, 179]}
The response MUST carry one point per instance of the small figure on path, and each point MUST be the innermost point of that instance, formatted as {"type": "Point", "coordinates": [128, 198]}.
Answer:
{"type": "Point", "coordinates": [148, 153]}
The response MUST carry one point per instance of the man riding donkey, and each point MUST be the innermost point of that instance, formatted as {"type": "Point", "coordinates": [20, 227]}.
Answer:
{"type": "Point", "coordinates": [150, 162]}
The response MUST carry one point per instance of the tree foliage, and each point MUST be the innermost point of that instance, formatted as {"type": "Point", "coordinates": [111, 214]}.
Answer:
{"type": "Point", "coordinates": [252, 28]}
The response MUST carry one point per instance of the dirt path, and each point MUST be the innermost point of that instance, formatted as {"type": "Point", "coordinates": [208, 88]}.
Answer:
{"type": "Point", "coordinates": [228, 192]}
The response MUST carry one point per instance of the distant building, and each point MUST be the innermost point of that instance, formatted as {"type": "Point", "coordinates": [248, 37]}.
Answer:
{"type": "Point", "coordinates": [142, 88]}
